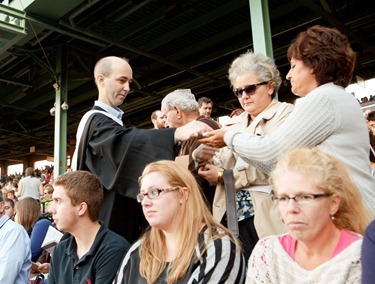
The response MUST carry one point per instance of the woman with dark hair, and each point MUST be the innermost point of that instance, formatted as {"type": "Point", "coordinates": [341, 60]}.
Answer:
{"type": "Point", "coordinates": [29, 216]}
{"type": "Point", "coordinates": [326, 116]}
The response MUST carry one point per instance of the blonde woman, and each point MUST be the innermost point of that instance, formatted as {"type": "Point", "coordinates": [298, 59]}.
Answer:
{"type": "Point", "coordinates": [325, 217]}
{"type": "Point", "coordinates": [46, 201]}
{"type": "Point", "coordinates": [183, 244]}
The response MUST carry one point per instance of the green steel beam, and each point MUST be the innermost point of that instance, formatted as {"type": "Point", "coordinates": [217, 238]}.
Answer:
{"type": "Point", "coordinates": [60, 114]}
{"type": "Point", "coordinates": [12, 19]}
{"type": "Point", "coordinates": [261, 27]}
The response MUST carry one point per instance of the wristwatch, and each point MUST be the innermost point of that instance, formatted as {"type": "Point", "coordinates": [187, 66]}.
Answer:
{"type": "Point", "coordinates": [220, 176]}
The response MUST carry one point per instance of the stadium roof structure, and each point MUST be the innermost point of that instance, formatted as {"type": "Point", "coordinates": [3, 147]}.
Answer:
{"type": "Point", "coordinates": [170, 44]}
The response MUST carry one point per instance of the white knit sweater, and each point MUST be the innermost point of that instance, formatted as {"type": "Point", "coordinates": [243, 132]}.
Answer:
{"type": "Point", "coordinates": [328, 118]}
{"type": "Point", "coordinates": [270, 263]}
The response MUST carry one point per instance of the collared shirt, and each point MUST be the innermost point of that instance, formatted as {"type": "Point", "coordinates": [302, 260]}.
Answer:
{"type": "Point", "coordinates": [116, 112]}
{"type": "Point", "coordinates": [15, 254]}
{"type": "Point", "coordinates": [98, 265]}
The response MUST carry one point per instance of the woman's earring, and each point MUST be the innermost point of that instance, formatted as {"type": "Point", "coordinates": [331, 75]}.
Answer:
{"type": "Point", "coordinates": [333, 217]}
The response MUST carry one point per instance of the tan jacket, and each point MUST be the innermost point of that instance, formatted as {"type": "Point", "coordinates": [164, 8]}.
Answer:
{"type": "Point", "coordinates": [267, 220]}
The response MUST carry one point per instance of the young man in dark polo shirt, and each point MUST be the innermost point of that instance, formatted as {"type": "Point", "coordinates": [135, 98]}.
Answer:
{"type": "Point", "coordinates": [93, 253]}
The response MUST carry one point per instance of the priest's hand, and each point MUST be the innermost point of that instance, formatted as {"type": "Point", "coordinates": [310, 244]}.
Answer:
{"type": "Point", "coordinates": [214, 138]}
{"type": "Point", "coordinates": [192, 129]}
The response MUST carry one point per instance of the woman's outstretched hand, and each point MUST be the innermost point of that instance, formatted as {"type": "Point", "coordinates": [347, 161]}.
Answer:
{"type": "Point", "coordinates": [214, 138]}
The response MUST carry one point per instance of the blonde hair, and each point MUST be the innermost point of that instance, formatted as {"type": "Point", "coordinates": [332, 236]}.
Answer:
{"type": "Point", "coordinates": [49, 188]}
{"type": "Point", "coordinates": [194, 213]}
{"type": "Point", "coordinates": [329, 175]}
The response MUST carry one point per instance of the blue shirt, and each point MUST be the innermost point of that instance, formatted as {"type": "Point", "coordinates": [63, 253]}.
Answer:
{"type": "Point", "coordinates": [15, 254]}
{"type": "Point", "coordinates": [368, 252]}
{"type": "Point", "coordinates": [116, 112]}
{"type": "Point", "coordinates": [37, 237]}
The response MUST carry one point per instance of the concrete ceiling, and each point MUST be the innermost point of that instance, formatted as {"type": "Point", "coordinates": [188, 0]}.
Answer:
{"type": "Point", "coordinates": [170, 44]}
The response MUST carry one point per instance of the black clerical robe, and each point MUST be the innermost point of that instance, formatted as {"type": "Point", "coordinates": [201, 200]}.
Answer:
{"type": "Point", "coordinates": [118, 155]}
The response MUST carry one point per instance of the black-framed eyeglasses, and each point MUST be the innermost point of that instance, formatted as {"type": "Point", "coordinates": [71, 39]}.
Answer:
{"type": "Point", "coordinates": [155, 192]}
{"type": "Point", "coordinates": [249, 90]}
{"type": "Point", "coordinates": [301, 199]}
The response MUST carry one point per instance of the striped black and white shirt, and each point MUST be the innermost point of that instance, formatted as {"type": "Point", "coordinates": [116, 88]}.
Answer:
{"type": "Point", "coordinates": [222, 262]}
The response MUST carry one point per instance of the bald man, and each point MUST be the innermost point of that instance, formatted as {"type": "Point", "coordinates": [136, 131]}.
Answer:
{"type": "Point", "coordinates": [116, 154]}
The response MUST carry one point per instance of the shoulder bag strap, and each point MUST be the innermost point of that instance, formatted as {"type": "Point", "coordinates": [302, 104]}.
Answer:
{"type": "Point", "coordinates": [230, 197]}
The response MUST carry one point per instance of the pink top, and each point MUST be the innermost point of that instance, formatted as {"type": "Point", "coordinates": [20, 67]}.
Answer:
{"type": "Point", "coordinates": [346, 239]}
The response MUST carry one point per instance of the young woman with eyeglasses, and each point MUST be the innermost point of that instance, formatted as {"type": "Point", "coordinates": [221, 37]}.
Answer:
{"type": "Point", "coordinates": [325, 217]}
{"type": "Point", "coordinates": [183, 243]}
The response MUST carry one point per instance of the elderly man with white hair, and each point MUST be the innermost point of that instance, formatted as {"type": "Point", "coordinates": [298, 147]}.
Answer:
{"type": "Point", "coordinates": [181, 107]}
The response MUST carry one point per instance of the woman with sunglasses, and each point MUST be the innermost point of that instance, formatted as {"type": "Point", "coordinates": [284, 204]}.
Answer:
{"type": "Point", "coordinates": [326, 116]}
{"type": "Point", "coordinates": [325, 217]}
{"type": "Point", "coordinates": [255, 80]}
{"type": "Point", "coordinates": [183, 244]}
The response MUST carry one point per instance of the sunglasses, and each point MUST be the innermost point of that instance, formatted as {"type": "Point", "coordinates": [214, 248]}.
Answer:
{"type": "Point", "coordinates": [249, 90]}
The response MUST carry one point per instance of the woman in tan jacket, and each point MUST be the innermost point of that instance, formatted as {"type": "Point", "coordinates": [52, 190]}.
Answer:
{"type": "Point", "coordinates": [255, 80]}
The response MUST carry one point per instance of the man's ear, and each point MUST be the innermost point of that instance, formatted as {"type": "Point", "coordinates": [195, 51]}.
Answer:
{"type": "Point", "coordinates": [2, 206]}
{"type": "Point", "coordinates": [100, 79]}
{"type": "Point", "coordinates": [178, 111]}
{"type": "Point", "coordinates": [82, 209]}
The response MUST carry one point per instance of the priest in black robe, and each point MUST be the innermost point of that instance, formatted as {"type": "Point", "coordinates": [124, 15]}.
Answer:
{"type": "Point", "coordinates": [118, 155]}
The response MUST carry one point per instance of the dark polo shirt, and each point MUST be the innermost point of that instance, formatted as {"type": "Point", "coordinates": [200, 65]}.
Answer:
{"type": "Point", "coordinates": [98, 265]}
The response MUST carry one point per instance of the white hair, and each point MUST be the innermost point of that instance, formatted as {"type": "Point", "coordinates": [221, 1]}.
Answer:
{"type": "Point", "coordinates": [183, 98]}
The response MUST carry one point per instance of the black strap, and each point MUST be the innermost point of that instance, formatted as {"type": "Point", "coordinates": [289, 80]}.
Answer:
{"type": "Point", "coordinates": [230, 197]}
{"type": "Point", "coordinates": [4, 223]}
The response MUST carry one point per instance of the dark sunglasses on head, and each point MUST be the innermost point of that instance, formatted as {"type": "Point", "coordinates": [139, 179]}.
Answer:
{"type": "Point", "coordinates": [249, 90]}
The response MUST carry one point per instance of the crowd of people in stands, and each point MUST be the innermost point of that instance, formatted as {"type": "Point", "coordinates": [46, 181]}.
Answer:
{"type": "Point", "coordinates": [281, 193]}
{"type": "Point", "coordinates": [367, 99]}
{"type": "Point", "coordinates": [24, 197]}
